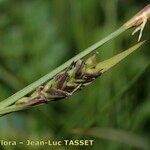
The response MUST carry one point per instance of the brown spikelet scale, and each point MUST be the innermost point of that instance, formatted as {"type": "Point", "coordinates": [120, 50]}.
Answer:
{"type": "Point", "coordinates": [74, 78]}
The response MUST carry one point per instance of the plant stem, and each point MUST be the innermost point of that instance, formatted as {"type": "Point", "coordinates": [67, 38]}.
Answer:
{"type": "Point", "coordinates": [101, 66]}
{"type": "Point", "coordinates": [12, 108]}
{"type": "Point", "coordinates": [12, 99]}
{"type": "Point", "coordinates": [138, 21]}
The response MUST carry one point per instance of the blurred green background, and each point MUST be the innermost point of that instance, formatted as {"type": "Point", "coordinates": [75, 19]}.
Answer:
{"type": "Point", "coordinates": [36, 36]}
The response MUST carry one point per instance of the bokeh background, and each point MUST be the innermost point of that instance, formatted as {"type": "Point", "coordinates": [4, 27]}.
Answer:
{"type": "Point", "coordinates": [36, 36]}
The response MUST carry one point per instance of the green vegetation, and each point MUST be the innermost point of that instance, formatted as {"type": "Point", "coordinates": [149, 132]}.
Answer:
{"type": "Point", "coordinates": [38, 36]}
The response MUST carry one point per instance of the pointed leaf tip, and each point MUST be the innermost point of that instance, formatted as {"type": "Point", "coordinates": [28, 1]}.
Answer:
{"type": "Point", "coordinates": [109, 63]}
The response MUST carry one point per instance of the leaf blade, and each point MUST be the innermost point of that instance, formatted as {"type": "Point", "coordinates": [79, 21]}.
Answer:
{"type": "Point", "coordinates": [109, 63]}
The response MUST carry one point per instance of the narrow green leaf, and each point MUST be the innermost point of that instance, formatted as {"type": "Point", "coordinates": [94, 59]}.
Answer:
{"type": "Point", "coordinates": [102, 67]}
{"type": "Point", "coordinates": [109, 63]}
{"type": "Point", "coordinates": [12, 99]}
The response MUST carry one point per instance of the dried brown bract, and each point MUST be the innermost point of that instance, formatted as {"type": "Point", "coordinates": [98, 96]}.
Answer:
{"type": "Point", "coordinates": [139, 21]}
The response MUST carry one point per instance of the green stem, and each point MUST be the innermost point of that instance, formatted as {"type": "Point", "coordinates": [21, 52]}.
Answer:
{"type": "Point", "coordinates": [12, 108]}
{"type": "Point", "coordinates": [102, 66]}
{"type": "Point", "coordinates": [12, 99]}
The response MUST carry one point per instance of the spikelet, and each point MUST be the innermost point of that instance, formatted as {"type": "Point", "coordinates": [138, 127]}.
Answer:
{"type": "Point", "coordinates": [78, 75]}
{"type": "Point", "coordinates": [74, 78]}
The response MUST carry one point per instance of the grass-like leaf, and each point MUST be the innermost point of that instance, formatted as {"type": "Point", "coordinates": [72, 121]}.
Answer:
{"type": "Point", "coordinates": [12, 99]}
{"type": "Point", "coordinates": [138, 21]}
{"type": "Point", "coordinates": [100, 67]}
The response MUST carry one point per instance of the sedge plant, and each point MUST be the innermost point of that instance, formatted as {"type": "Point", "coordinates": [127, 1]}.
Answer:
{"type": "Point", "coordinates": [74, 74]}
